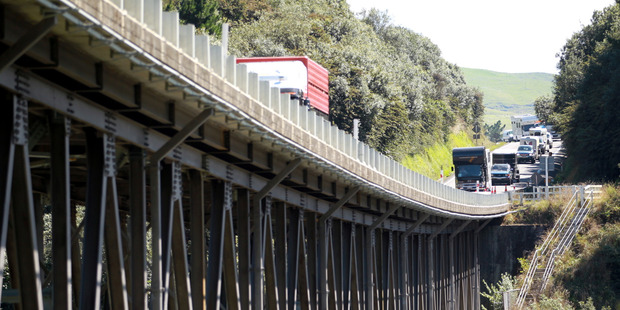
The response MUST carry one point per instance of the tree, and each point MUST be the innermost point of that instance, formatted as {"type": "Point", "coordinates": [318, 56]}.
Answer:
{"type": "Point", "coordinates": [586, 97]}
{"type": "Point", "coordinates": [203, 14]}
{"type": "Point", "coordinates": [243, 11]}
{"type": "Point", "coordinates": [544, 107]}
{"type": "Point", "coordinates": [494, 132]}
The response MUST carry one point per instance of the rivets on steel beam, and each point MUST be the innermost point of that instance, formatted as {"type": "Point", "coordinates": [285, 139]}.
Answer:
{"type": "Point", "coordinates": [20, 119]}
{"type": "Point", "coordinates": [146, 132]}
{"type": "Point", "coordinates": [109, 155]}
{"type": "Point", "coordinates": [267, 205]}
{"type": "Point", "coordinates": [205, 162]}
{"type": "Point", "coordinates": [177, 153]}
{"type": "Point", "coordinates": [177, 181]}
{"type": "Point", "coordinates": [230, 173]}
{"type": "Point", "coordinates": [110, 122]}
{"type": "Point", "coordinates": [228, 195]}
{"type": "Point", "coordinates": [22, 82]}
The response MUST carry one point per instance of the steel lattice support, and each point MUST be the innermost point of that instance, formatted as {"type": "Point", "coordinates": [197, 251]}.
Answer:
{"type": "Point", "coordinates": [60, 131]}
{"type": "Point", "coordinates": [17, 213]}
{"type": "Point", "coordinates": [308, 257]}
{"type": "Point", "coordinates": [102, 223]}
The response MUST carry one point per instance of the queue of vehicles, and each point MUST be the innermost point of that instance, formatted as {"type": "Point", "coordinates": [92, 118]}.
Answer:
{"type": "Point", "coordinates": [476, 169]}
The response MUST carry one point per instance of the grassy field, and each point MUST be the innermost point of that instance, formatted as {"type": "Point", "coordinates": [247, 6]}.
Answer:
{"type": "Point", "coordinates": [507, 94]}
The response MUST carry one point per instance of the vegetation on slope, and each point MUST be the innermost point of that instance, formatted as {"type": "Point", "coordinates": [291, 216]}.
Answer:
{"type": "Point", "coordinates": [587, 276]}
{"type": "Point", "coordinates": [507, 94]}
{"type": "Point", "coordinates": [391, 78]}
{"type": "Point", "coordinates": [438, 156]}
{"type": "Point", "coordinates": [586, 96]}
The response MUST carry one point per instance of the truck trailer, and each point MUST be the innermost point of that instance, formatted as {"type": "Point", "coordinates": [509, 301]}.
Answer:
{"type": "Point", "coordinates": [472, 168]}
{"type": "Point", "coordinates": [298, 76]}
{"type": "Point", "coordinates": [521, 125]}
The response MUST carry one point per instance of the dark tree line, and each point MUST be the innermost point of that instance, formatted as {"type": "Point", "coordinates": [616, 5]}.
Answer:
{"type": "Point", "coordinates": [586, 103]}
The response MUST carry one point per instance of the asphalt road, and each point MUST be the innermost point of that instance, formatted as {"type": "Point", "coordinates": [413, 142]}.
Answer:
{"type": "Point", "coordinates": [525, 170]}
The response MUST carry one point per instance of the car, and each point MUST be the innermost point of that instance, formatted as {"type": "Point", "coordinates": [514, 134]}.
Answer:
{"type": "Point", "coordinates": [501, 174]}
{"type": "Point", "coordinates": [507, 136]}
{"type": "Point", "coordinates": [526, 153]}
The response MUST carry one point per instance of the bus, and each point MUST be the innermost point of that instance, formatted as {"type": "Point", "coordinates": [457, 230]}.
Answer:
{"type": "Point", "coordinates": [521, 125]}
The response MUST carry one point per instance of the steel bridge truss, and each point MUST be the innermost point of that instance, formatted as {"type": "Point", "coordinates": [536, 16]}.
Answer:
{"type": "Point", "coordinates": [73, 193]}
{"type": "Point", "coordinates": [118, 190]}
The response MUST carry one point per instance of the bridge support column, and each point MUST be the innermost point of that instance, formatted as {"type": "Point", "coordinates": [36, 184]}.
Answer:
{"type": "Point", "coordinates": [476, 262]}
{"type": "Point", "coordinates": [137, 189]}
{"type": "Point", "coordinates": [158, 293]}
{"type": "Point", "coordinates": [197, 235]}
{"type": "Point", "coordinates": [17, 219]}
{"type": "Point", "coordinates": [325, 248]}
{"type": "Point", "coordinates": [453, 267]}
{"type": "Point", "coordinates": [262, 233]}
{"type": "Point", "coordinates": [222, 271]}
{"type": "Point", "coordinates": [61, 212]}
{"type": "Point", "coordinates": [244, 238]}
{"type": "Point", "coordinates": [415, 273]}
{"type": "Point", "coordinates": [102, 223]}
{"type": "Point", "coordinates": [432, 298]}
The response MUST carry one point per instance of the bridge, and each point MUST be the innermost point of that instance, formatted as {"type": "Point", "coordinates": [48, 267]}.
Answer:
{"type": "Point", "coordinates": [142, 168]}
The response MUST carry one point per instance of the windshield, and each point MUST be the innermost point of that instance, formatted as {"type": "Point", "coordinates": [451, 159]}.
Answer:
{"type": "Point", "coordinates": [500, 167]}
{"type": "Point", "coordinates": [526, 128]}
{"type": "Point", "coordinates": [468, 171]}
{"type": "Point", "coordinates": [524, 148]}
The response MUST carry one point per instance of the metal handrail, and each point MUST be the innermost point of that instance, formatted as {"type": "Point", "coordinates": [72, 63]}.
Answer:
{"type": "Point", "coordinates": [542, 250]}
{"type": "Point", "coordinates": [539, 192]}
{"type": "Point", "coordinates": [567, 239]}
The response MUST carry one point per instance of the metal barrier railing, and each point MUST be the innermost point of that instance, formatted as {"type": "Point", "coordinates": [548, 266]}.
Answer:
{"type": "Point", "coordinates": [527, 282]}
{"type": "Point", "coordinates": [540, 192]}
{"type": "Point", "coordinates": [566, 239]}
{"type": "Point", "coordinates": [215, 59]}
{"type": "Point", "coordinates": [561, 235]}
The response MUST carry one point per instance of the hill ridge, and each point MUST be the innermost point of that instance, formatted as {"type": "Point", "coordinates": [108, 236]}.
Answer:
{"type": "Point", "coordinates": [507, 94]}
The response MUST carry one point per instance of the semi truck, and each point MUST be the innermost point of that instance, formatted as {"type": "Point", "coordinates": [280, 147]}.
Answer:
{"type": "Point", "coordinates": [298, 76]}
{"type": "Point", "coordinates": [472, 168]}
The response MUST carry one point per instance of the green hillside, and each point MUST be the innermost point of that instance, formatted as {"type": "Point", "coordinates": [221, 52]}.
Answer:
{"type": "Point", "coordinates": [507, 94]}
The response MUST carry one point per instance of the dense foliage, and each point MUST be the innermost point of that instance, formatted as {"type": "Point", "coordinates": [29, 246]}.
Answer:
{"type": "Point", "coordinates": [586, 101]}
{"type": "Point", "coordinates": [494, 132]}
{"type": "Point", "coordinates": [587, 276]}
{"type": "Point", "coordinates": [391, 78]}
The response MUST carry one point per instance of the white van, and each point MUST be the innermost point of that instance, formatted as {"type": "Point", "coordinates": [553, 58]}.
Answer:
{"type": "Point", "coordinates": [538, 131]}
{"type": "Point", "coordinates": [507, 136]}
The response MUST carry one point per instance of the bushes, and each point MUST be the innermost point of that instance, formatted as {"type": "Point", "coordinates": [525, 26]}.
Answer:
{"type": "Point", "coordinates": [543, 212]}
{"type": "Point", "coordinates": [592, 268]}
{"type": "Point", "coordinates": [588, 274]}
{"type": "Point", "coordinates": [608, 210]}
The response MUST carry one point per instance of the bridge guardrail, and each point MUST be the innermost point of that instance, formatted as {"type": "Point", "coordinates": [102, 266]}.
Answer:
{"type": "Point", "coordinates": [540, 192]}
{"type": "Point", "coordinates": [197, 49]}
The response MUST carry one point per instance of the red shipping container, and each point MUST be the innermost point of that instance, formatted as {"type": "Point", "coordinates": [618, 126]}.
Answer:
{"type": "Point", "coordinates": [317, 79]}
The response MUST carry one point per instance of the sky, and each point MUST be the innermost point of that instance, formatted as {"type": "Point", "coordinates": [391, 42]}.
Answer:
{"type": "Point", "coordinates": [498, 35]}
